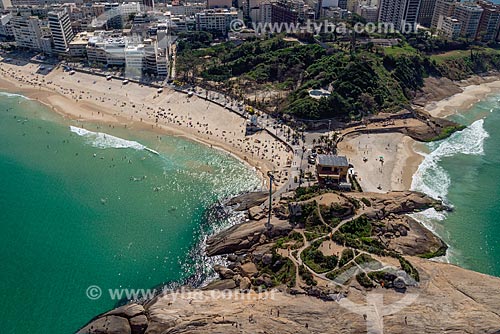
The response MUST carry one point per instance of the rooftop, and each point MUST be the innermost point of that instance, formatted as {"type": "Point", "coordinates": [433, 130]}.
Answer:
{"type": "Point", "coordinates": [332, 160]}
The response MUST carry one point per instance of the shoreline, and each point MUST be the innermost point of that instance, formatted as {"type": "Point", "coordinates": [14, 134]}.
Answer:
{"type": "Point", "coordinates": [471, 95]}
{"type": "Point", "coordinates": [189, 118]}
{"type": "Point", "coordinates": [394, 172]}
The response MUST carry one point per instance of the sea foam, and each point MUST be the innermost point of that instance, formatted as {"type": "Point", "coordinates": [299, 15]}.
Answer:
{"type": "Point", "coordinates": [14, 95]}
{"type": "Point", "coordinates": [433, 180]}
{"type": "Point", "coordinates": [103, 140]}
{"type": "Point", "coordinates": [430, 178]}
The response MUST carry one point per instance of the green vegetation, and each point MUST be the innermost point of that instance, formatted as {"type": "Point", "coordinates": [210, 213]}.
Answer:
{"type": "Point", "coordinates": [294, 240]}
{"type": "Point", "coordinates": [281, 270]}
{"type": "Point", "coordinates": [347, 255]}
{"type": "Point", "coordinates": [332, 214]}
{"type": "Point", "coordinates": [306, 276]}
{"type": "Point", "coordinates": [366, 202]}
{"type": "Point", "coordinates": [364, 280]}
{"type": "Point", "coordinates": [316, 260]}
{"type": "Point", "coordinates": [359, 227]}
{"type": "Point", "coordinates": [305, 193]}
{"type": "Point", "coordinates": [440, 252]}
{"type": "Point", "coordinates": [277, 74]}
{"type": "Point", "coordinates": [408, 268]}
{"type": "Point", "coordinates": [311, 221]}
{"type": "Point", "coordinates": [337, 272]}
{"type": "Point", "coordinates": [383, 278]}
{"type": "Point", "coordinates": [355, 184]}
{"type": "Point", "coordinates": [446, 132]}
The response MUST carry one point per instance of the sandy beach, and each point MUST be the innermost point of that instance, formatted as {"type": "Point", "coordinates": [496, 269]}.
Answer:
{"type": "Point", "coordinates": [85, 97]}
{"type": "Point", "coordinates": [400, 160]}
{"type": "Point", "coordinates": [471, 95]}
{"type": "Point", "coordinates": [382, 162]}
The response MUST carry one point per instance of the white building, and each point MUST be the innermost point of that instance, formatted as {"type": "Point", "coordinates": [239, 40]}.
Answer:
{"type": "Point", "coordinates": [369, 13]}
{"type": "Point", "coordinates": [469, 15]}
{"type": "Point", "coordinates": [5, 4]}
{"type": "Point", "coordinates": [27, 31]}
{"type": "Point", "coordinates": [6, 26]}
{"type": "Point", "coordinates": [136, 55]}
{"type": "Point", "coordinates": [402, 13]}
{"type": "Point", "coordinates": [60, 28]}
{"type": "Point", "coordinates": [449, 27]}
{"type": "Point", "coordinates": [216, 20]}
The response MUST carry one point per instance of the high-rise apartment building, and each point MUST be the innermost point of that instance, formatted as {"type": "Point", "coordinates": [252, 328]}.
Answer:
{"type": "Point", "coordinates": [60, 28]}
{"type": "Point", "coordinates": [426, 12]}
{"type": "Point", "coordinates": [490, 21]}
{"type": "Point", "coordinates": [402, 13]}
{"type": "Point", "coordinates": [5, 4]}
{"type": "Point", "coordinates": [469, 15]}
{"type": "Point", "coordinates": [443, 8]}
{"type": "Point", "coordinates": [27, 31]}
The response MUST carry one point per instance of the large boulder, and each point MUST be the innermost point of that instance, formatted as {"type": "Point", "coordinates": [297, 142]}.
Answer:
{"type": "Point", "coordinates": [107, 325]}
{"type": "Point", "coordinates": [245, 283]}
{"type": "Point", "coordinates": [127, 311]}
{"type": "Point", "coordinates": [139, 324]}
{"type": "Point", "coordinates": [224, 273]}
{"type": "Point", "coordinates": [248, 269]}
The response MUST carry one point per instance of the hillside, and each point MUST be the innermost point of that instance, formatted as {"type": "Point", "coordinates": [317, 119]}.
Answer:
{"type": "Point", "coordinates": [277, 74]}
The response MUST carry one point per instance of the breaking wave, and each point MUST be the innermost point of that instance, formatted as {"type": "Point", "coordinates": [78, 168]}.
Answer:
{"type": "Point", "coordinates": [432, 179]}
{"type": "Point", "coordinates": [103, 140]}
{"type": "Point", "coordinates": [14, 95]}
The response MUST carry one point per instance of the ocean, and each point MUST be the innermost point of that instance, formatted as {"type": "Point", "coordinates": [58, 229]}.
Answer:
{"type": "Point", "coordinates": [464, 171]}
{"type": "Point", "coordinates": [83, 205]}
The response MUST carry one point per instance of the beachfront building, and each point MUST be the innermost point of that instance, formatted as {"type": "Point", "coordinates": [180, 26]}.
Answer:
{"type": "Point", "coordinates": [60, 28]}
{"type": "Point", "coordinates": [426, 12]}
{"type": "Point", "coordinates": [156, 59]}
{"type": "Point", "coordinates": [449, 27]}
{"type": "Point", "coordinates": [27, 31]}
{"type": "Point", "coordinates": [106, 48]}
{"type": "Point", "coordinates": [216, 20]}
{"type": "Point", "coordinates": [443, 8]}
{"type": "Point", "coordinates": [369, 13]}
{"type": "Point", "coordinates": [6, 26]}
{"type": "Point", "coordinates": [402, 13]}
{"type": "Point", "coordinates": [469, 15]}
{"type": "Point", "coordinates": [138, 56]}
{"type": "Point", "coordinates": [490, 22]}
{"type": "Point", "coordinates": [78, 46]}
{"type": "Point", "coordinates": [332, 169]}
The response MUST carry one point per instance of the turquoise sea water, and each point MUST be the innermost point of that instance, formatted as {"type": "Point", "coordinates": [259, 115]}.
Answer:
{"type": "Point", "coordinates": [79, 209]}
{"type": "Point", "coordinates": [464, 170]}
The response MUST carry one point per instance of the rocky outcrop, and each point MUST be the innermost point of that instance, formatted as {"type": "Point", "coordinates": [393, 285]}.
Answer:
{"type": "Point", "coordinates": [127, 319]}
{"type": "Point", "coordinates": [396, 202]}
{"type": "Point", "coordinates": [108, 325]}
{"type": "Point", "coordinates": [436, 89]}
{"type": "Point", "coordinates": [248, 200]}
{"type": "Point", "coordinates": [407, 236]}
{"type": "Point", "coordinates": [448, 300]}
{"type": "Point", "coordinates": [244, 236]}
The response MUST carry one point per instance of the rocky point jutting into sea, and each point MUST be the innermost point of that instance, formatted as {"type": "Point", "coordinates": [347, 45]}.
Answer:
{"type": "Point", "coordinates": [435, 297]}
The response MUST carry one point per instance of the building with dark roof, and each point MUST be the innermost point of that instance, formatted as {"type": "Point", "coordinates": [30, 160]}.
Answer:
{"type": "Point", "coordinates": [331, 169]}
